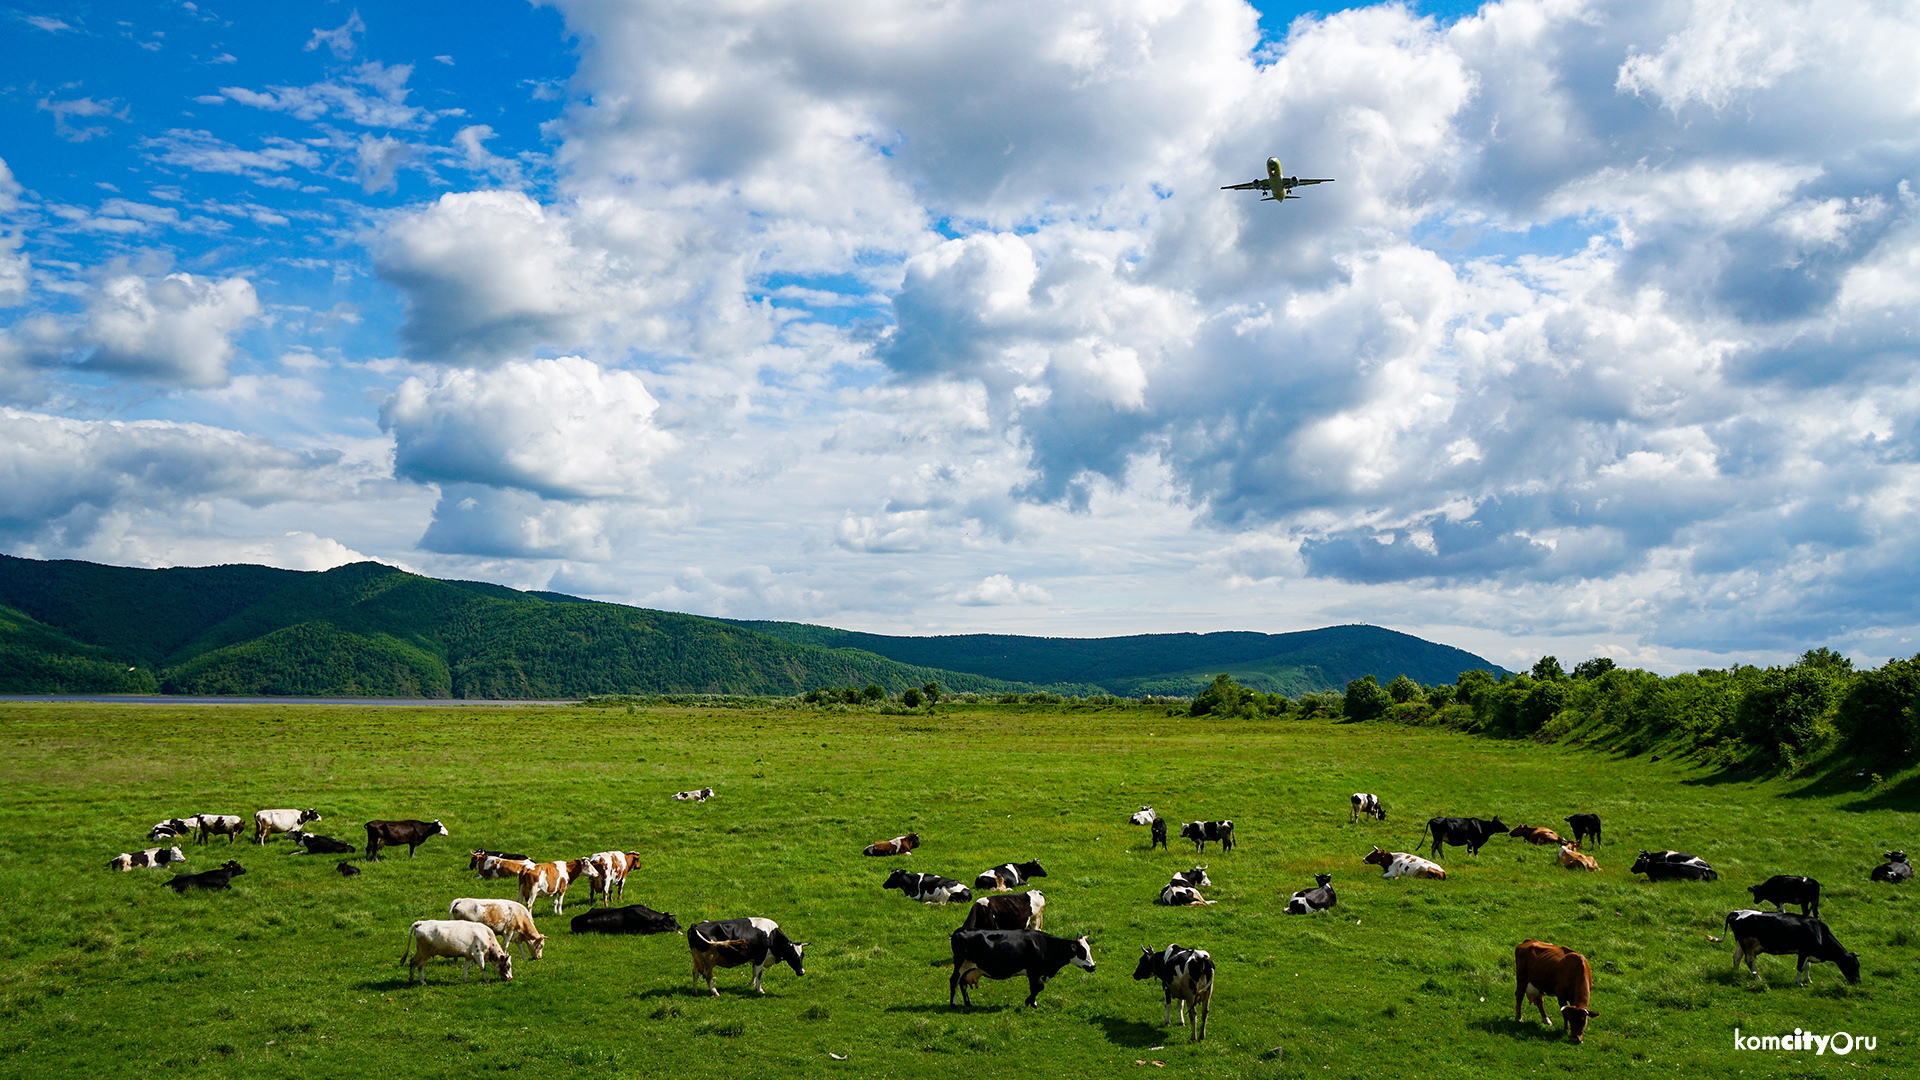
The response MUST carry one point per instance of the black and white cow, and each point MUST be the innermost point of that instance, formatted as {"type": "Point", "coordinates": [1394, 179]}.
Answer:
{"type": "Point", "coordinates": [927, 888]}
{"type": "Point", "coordinates": [1202, 831]}
{"type": "Point", "coordinates": [1159, 834]}
{"type": "Point", "coordinates": [221, 878]}
{"type": "Point", "coordinates": [173, 828]}
{"type": "Point", "coordinates": [1895, 870]}
{"type": "Point", "coordinates": [1145, 816]}
{"type": "Point", "coordinates": [1673, 865]}
{"type": "Point", "coordinates": [1195, 878]}
{"type": "Point", "coordinates": [157, 856]}
{"type": "Point", "coordinates": [1317, 899]}
{"type": "Point", "coordinates": [268, 822]}
{"type": "Point", "coordinates": [1585, 825]}
{"type": "Point", "coordinates": [632, 919]}
{"type": "Point", "coordinates": [1015, 911]}
{"type": "Point", "coordinates": [1469, 832]}
{"type": "Point", "coordinates": [732, 942]}
{"type": "Point", "coordinates": [405, 831]}
{"type": "Point", "coordinates": [1184, 889]}
{"type": "Point", "coordinates": [1783, 889]}
{"type": "Point", "coordinates": [1368, 804]}
{"type": "Point", "coordinates": [306, 843]}
{"type": "Point", "coordinates": [1186, 976]}
{"type": "Point", "coordinates": [1009, 875]}
{"type": "Point", "coordinates": [1002, 954]}
{"type": "Point", "coordinates": [1780, 932]}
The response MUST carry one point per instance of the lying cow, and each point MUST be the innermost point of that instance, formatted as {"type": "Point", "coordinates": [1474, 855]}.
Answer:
{"type": "Point", "coordinates": [1895, 870]}
{"type": "Point", "coordinates": [1314, 900]}
{"type": "Point", "coordinates": [927, 888]}
{"type": "Point", "coordinates": [1665, 865]}
{"type": "Point", "coordinates": [155, 856]}
{"type": "Point", "coordinates": [696, 795]}
{"type": "Point", "coordinates": [1783, 889]}
{"type": "Point", "coordinates": [732, 942]}
{"type": "Point", "coordinates": [1159, 834]}
{"type": "Point", "coordinates": [1002, 954]}
{"type": "Point", "coordinates": [1468, 832]}
{"type": "Point", "coordinates": [346, 868]}
{"type": "Point", "coordinates": [1145, 816]}
{"type": "Point", "coordinates": [268, 822]}
{"type": "Point", "coordinates": [1008, 875]}
{"type": "Point", "coordinates": [550, 879]}
{"type": "Point", "coordinates": [306, 843]}
{"type": "Point", "coordinates": [1368, 804]}
{"type": "Point", "coordinates": [899, 845]}
{"type": "Point", "coordinates": [1535, 834]}
{"type": "Point", "coordinates": [1195, 878]}
{"type": "Point", "coordinates": [1401, 864]}
{"type": "Point", "coordinates": [509, 921]}
{"type": "Point", "coordinates": [1541, 968]}
{"type": "Point", "coordinates": [1583, 826]}
{"type": "Point", "coordinates": [469, 942]}
{"type": "Point", "coordinates": [405, 831]}
{"type": "Point", "coordinates": [1573, 858]}
{"type": "Point", "coordinates": [1186, 976]}
{"type": "Point", "coordinates": [1779, 932]}
{"type": "Point", "coordinates": [493, 865]}
{"type": "Point", "coordinates": [1200, 832]}
{"type": "Point", "coordinates": [1177, 894]}
{"type": "Point", "coordinates": [219, 878]}
{"type": "Point", "coordinates": [607, 872]}
{"type": "Point", "coordinates": [632, 919]}
{"type": "Point", "coordinates": [1017, 911]}
{"type": "Point", "coordinates": [173, 828]}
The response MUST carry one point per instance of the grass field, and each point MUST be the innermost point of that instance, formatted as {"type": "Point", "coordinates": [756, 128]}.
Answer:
{"type": "Point", "coordinates": [295, 973]}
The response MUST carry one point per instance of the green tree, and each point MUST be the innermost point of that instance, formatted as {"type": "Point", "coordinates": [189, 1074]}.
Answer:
{"type": "Point", "coordinates": [1547, 668]}
{"type": "Point", "coordinates": [1594, 668]}
{"type": "Point", "coordinates": [1403, 690]}
{"type": "Point", "coordinates": [910, 697]}
{"type": "Point", "coordinates": [1366, 699]}
{"type": "Point", "coordinates": [874, 692]}
{"type": "Point", "coordinates": [1880, 712]}
{"type": "Point", "coordinates": [932, 692]}
{"type": "Point", "coordinates": [1786, 718]}
{"type": "Point", "coordinates": [1225, 697]}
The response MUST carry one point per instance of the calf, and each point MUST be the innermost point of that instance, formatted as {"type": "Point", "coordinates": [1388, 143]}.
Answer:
{"type": "Point", "coordinates": [549, 879]}
{"type": "Point", "coordinates": [1535, 834]}
{"type": "Point", "coordinates": [927, 888]}
{"type": "Point", "coordinates": [696, 795]}
{"type": "Point", "coordinates": [1539, 969]}
{"type": "Point", "coordinates": [405, 831]}
{"type": "Point", "coordinates": [732, 942]}
{"type": "Point", "coordinates": [156, 856]}
{"type": "Point", "coordinates": [899, 845]}
{"type": "Point", "coordinates": [1401, 864]}
{"type": "Point", "coordinates": [1583, 826]}
{"type": "Point", "coordinates": [1186, 976]}
{"type": "Point", "coordinates": [1468, 832]}
{"type": "Point", "coordinates": [346, 868]}
{"type": "Point", "coordinates": [1364, 803]}
{"type": "Point", "coordinates": [632, 919]}
{"type": "Point", "coordinates": [220, 878]}
{"type": "Point", "coordinates": [510, 921]}
{"type": "Point", "coordinates": [493, 865]}
{"type": "Point", "coordinates": [1779, 932]}
{"type": "Point", "coordinates": [1002, 954]}
{"type": "Point", "coordinates": [1783, 889]}
{"type": "Point", "coordinates": [1573, 858]}
{"type": "Point", "coordinates": [1314, 900]}
{"type": "Point", "coordinates": [1146, 816]}
{"type": "Point", "coordinates": [471, 942]}
{"type": "Point", "coordinates": [1895, 870]}
{"type": "Point", "coordinates": [1665, 865]}
{"type": "Point", "coordinates": [1202, 831]}
{"type": "Point", "coordinates": [1018, 911]}
{"type": "Point", "coordinates": [607, 871]}
{"type": "Point", "coordinates": [306, 843]}
{"type": "Point", "coordinates": [1159, 834]}
{"type": "Point", "coordinates": [1009, 875]}
{"type": "Point", "coordinates": [268, 822]}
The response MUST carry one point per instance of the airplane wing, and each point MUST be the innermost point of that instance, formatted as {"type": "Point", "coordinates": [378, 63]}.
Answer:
{"type": "Point", "coordinates": [1251, 185]}
{"type": "Point", "coordinates": [1296, 182]}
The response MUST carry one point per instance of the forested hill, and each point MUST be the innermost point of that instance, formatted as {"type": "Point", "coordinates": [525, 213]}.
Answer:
{"type": "Point", "coordinates": [374, 631]}
{"type": "Point", "coordinates": [1179, 664]}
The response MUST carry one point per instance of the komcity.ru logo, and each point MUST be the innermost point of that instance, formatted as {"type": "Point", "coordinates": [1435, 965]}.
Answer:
{"type": "Point", "coordinates": [1839, 1042]}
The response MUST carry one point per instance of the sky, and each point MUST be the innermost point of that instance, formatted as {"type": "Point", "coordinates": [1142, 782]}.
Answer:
{"type": "Point", "coordinates": [932, 317]}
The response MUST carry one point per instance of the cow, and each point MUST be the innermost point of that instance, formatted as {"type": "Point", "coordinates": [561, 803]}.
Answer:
{"type": "Point", "coordinates": [1573, 858]}
{"type": "Point", "coordinates": [231, 826]}
{"type": "Point", "coordinates": [1468, 832]}
{"type": "Point", "coordinates": [607, 872]}
{"type": "Point", "coordinates": [732, 942]}
{"type": "Point", "coordinates": [899, 845]}
{"type": "Point", "coordinates": [1195, 878]}
{"type": "Point", "coordinates": [219, 878]}
{"type": "Point", "coordinates": [1002, 954]}
{"type": "Point", "coordinates": [927, 888]}
{"type": "Point", "coordinates": [632, 919]}
{"type": "Point", "coordinates": [1583, 826]}
{"type": "Point", "coordinates": [510, 921]}
{"type": "Point", "coordinates": [173, 828]}
{"type": "Point", "coordinates": [1894, 871]}
{"type": "Point", "coordinates": [1009, 875]}
{"type": "Point", "coordinates": [268, 822]}
{"type": "Point", "coordinates": [306, 843]}
{"type": "Point", "coordinates": [493, 865]}
{"type": "Point", "coordinates": [1202, 831]}
{"type": "Point", "coordinates": [1401, 864]}
{"type": "Point", "coordinates": [696, 795]}
{"type": "Point", "coordinates": [1186, 976]}
{"type": "Point", "coordinates": [1017, 911]}
{"type": "Point", "coordinates": [1783, 889]}
{"type": "Point", "coordinates": [406, 831]}
{"type": "Point", "coordinates": [1535, 834]}
{"type": "Point", "coordinates": [1541, 968]}
{"type": "Point", "coordinates": [1314, 900]}
{"type": "Point", "coordinates": [1364, 803]}
{"type": "Point", "coordinates": [1145, 816]}
{"type": "Point", "coordinates": [1180, 894]}
{"type": "Point", "coordinates": [1159, 834]}
{"type": "Point", "coordinates": [347, 869]}
{"type": "Point", "coordinates": [551, 879]}
{"type": "Point", "coordinates": [1779, 932]}
{"type": "Point", "coordinates": [471, 942]}
{"type": "Point", "coordinates": [1662, 865]}
{"type": "Point", "coordinates": [157, 856]}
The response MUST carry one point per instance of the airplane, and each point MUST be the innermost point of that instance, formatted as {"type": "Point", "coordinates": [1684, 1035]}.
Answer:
{"type": "Point", "coordinates": [1274, 182]}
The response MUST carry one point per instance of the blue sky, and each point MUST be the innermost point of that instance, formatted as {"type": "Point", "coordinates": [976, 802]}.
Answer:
{"type": "Point", "coordinates": [934, 318]}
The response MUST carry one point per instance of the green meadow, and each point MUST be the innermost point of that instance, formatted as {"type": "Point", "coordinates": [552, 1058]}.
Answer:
{"type": "Point", "coordinates": [295, 973]}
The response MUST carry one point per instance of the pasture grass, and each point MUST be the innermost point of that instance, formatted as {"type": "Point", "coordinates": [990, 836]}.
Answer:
{"type": "Point", "coordinates": [295, 973]}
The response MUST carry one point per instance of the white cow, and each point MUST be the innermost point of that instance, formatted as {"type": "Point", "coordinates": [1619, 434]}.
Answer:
{"type": "Point", "coordinates": [227, 825]}
{"type": "Point", "coordinates": [472, 942]}
{"type": "Point", "coordinates": [509, 919]}
{"type": "Point", "coordinates": [1144, 817]}
{"type": "Point", "coordinates": [268, 822]}
{"type": "Point", "coordinates": [1401, 864]}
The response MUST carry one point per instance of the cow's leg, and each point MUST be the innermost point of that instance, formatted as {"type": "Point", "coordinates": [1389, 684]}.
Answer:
{"type": "Point", "coordinates": [1806, 970]}
{"type": "Point", "coordinates": [758, 969]}
{"type": "Point", "coordinates": [1035, 984]}
{"type": "Point", "coordinates": [1203, 1005]}
{"type": "Point", "coordinates": [1166, 1007]}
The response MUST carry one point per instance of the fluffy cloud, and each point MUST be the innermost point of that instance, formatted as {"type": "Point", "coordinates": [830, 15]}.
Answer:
{"type": "Point", "coordinates": [176, 329]}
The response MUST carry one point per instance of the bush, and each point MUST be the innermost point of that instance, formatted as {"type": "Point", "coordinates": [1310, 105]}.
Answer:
{"type": "Point", "coordinates": [1366, 699]}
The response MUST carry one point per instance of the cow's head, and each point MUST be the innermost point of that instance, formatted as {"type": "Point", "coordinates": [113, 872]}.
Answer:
{"type": "Point", "coordinates": [789, 952]}
{"type": "Point", "coordinates": [1640, 865]}
{"type": "Point", "coordinates": [1496, 823]}
{"type": "Point", "coordinates": [896, 880]}
{"type": "Point", "coordinates": [1082, 954]}
{"type": "Point", "coordinates": [437, 830]}
{"type": "Point", "coordinates": [1033, 869]}
{"type": "Point", "coordinates": [504, 963]}
{"type": "Point", "coordinates": [174, 854]}
{"type": "Point", "coordinates": [233, 868]}
{"type": "Point", "coordinates": [1323, 880]}
{"type": "Point", "coordinates": [1896, 856]}
{"type": "Point", "coordinates": [475, 859]}
{"type": "Point", "coordinates": [1198, 877]}
{"type": "Point", "coordinates": [579, 866]}
{"type": "Point", "coordinates": [537, 944]}
{"type": "Point", "coordinates": [1149, 965]}
{"type": "Point", "coordinates": [1378, 858]}
{"type": "Point", "coordinates": [1380, 812]}
{"type": "Point", "coordinates": [1849, 964]}
{"type": "Point", "coordinates": [1576, 1020]}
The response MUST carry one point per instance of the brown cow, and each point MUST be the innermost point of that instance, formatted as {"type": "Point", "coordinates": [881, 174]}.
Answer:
{"type": "Point", "coordinates": [899, 845]}
{"type": "Point", "coordinates": [551, 878]}
{"type": "Point", "coordinates": [1572, 858]}
{"type": "Point", "coordinates": [1539, 969]}
{"type": "Point", "coordinates": [607, 871]}
{"type": "Point", "coordinates": [1536, 834]}
{"type": "Point", "coordinates": [1016, 911]}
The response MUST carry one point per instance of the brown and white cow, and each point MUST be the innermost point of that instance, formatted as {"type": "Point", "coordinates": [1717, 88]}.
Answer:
{"type": "Point", "coordinates": [1539, 969]}
{"type": "Point", "coordinates": [607, 871]}
{"type": "Point", "coordinates": [1572, 858]}
{"type": "Point", "coordinates": [268, 822]}
{"type": "Point", "coordinates": [550, 879]}
{"type": "Point", "coordinates": [469, 942]}
{"type": "Point", "coordinates": [899, 845]}
{"type": "Point", "coordinates": [1535, 834]}
{"type": "Point", "coordinates": [493, 865]}
{"type": "Point", "coordinates": [508, 919]}
{"type": "Point", "coordinates": [230, 826]}
{"type": "Point", "coordinates": [1402, 864]}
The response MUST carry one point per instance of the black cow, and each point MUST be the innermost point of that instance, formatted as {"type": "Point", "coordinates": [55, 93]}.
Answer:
{"type": "Point", "coordinates": [221, 878]}
{"type": "Point", "coordinates": [1309, 901]}
{"type": "Point", "coordinates": [407, 831]}
{"type": "Point", "coordinates": [1585, 825]}
{"type": "Point", "coordinates": [1780, 932]}
{"type": "Point", "coordinates": [1159, 834]}
{"type": "Point", "coordinates": [732, 942]}
{"type": "Point", "coordinates": [1673, 865]}
{"type": "Point", "coordinates": [927, 888]}
{"type": "Point", "coordinates": [1783, 889]}
{"type": "Point", "coordinates": [1185, 975]}
{"type": "Point", "coordinates": [307, 843]}
{"type": "Point", "coordinates": [1002, 954]}
{"type": "Point", "coordinates": [1895, 870]}
{"type": "Point", "coordinates": [1469, 832]}
{"type": "Point", "coordinates": [1202, 831]}
{"type": "Point", "coordinates": [1017, 911]}
{"type": "Point", "coordinates": [346, 868]}
{"type": "Point", "coordinates": [632, 919]}
{"type": "Point", "coordinates": [1009, 875]}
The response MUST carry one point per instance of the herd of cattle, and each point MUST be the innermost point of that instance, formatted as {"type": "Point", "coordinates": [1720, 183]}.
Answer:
{"type": "Point", "coordinates": [1001, 936]}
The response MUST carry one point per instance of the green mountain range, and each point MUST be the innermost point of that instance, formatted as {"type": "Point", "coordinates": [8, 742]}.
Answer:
{"type": "Point", "coordinates": [370, 630]}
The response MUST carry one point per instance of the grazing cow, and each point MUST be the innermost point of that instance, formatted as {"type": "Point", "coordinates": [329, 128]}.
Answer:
{"type": "Point", "coordinates": [1202, 831]}
{"type": "Point", "coordinates": [1583, 826]}
{"type": "Point", "coordinates": [1186, 976]}
{"type": "Point", "coordinates": [549, 879]}
{"type": "Point", "coordinates": [406, 831]}
{"type": "Point", "coordinates": [156, 856]}
{"type": "Point", "coordinates": [1159, 834]}
{"type": "Point", "coordinates": [1018, 911]}
{"type": "Point", "coordinates": [1535, 834]}
{"type": "Point", "coordinates": [1573, 858]}
{"type": "Point", "coordinates": [346, 868]}
{"type": "Point", "coordinates": [173, 828]}
{"type": "Point", "coordinates": [696, 795]}
{"type": "Point", "coordinates": [1783, 889]}
{"type": "Point", "coordinates": [927, 888]}
{"type": "Point", "coordinates": [471, 942]}
{"type": "Point", "coordinates": [1662, 865]}
{"type": "Point", "coordinates": [230, 826]}
{"type": "Point", "coordinates": [510, 921]}
{"type": "Point", "coordinates": [1364, 803]}
{"type": "Point", "coordinates": [268, 822]}
{"type": "Point", "coordinates": [632, 919]}
{"type": "Point", "coordinates": [306, 843]}
{"type": "Point", "coordinates": [1401, 864]}
{"type": "Point", "coordinates": [1002, 954]}
{"type": "Point", "coordinates": [607, 872]}
{"type": "Point", "coordinates": [899, 845]}
{"type": "Point", "coordinates": [220, 878]}
{"type": "Point", "coordinates": [1146, 816]}
{"type": "Point", "coordinates": [1314, 900]}
{"type": "Point", "coordinates": [1895, 870]}
{"type": "Point", "coordinates": [1541, 968]}
{"type": "Point", "coordinates": [732, 942]}
{"type": "Point", "coordinates": [493, 865]}
{"type": "Point", "coordinates": [1779, 932]}
{"type": "Point", "coordinates": [1009, 875]}
{"type": "Point", "coordinates": [1468, 832]}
